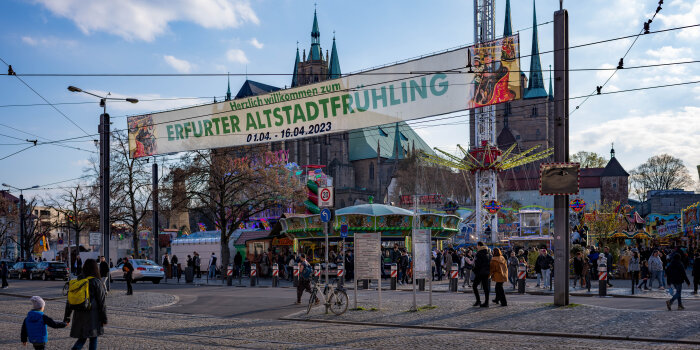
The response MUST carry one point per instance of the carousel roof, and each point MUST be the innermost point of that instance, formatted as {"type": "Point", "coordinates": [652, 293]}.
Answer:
{"type": "Point", "coordinates": [373, 210]}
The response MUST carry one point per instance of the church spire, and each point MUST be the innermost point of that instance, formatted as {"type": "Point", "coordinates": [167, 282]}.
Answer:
{"type": "Point", "coordinates": [315, 53]}
{"type": "Point", "coordinates": [507, 27]}
{"type": "Point", "coordinates": [551, 91]}
{"type": "Point", "coordinates": [334, 64]}
{"type": "Point", "coordinates": [535, 85]}
{"type": "Point", "coordinates": [228, 91]}
{"type": "Point", "coordinates": [295, 80]}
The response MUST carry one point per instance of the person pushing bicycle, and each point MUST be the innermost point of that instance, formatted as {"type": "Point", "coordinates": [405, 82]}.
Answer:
{"type": "Point", "coordinates": [305, 274]}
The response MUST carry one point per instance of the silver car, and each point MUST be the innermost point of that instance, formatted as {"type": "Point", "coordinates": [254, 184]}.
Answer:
{"type": "Point", "coordinates": [144, 270]}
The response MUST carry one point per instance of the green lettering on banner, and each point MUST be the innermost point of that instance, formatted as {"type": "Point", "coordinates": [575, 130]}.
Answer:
{"type": "Point", "coordinates": [443, 84]}
{"type": "Point", "coordinates": [171, 134]}
{"type": "Point", "coordinates": [362, 108]}
{"type": "Point", "coordinates": [234, 123]}
{"type": "Point", "coordinates": [207, 128]}
{"type": "Point", "coordinates": [421, 89]}
{"type": "Point", "coordinates": [393, 101]}
{"type": "Point", "coordinates": [178, 132]}
{"type": "Point", "coordinates": [311, 115]}
{"type": "Point", "coordinates": [250, 122]}
{"type": "Point", "coordinates": [298, 114]}
{"type": "Point", "coordinates": [188, 129]}
{"type": "Point", "coordinates": [335, 104]}
{"type": "Point", "coordinates": [286, 110]}
{"type": "Point", "coordinates": [216, 124]}
{"type": "Point", "coordinates": [194, 129]}
{"type": "Point", "coordinates": [376, 97]}
{"type": "Point", "coordinates": [324, 103]}
{"type": "Point", "coordinates": [347, 104]}
{"type": "Point", "coordinates": [267, 112]}
{"type": "Point", "coordinates": [404, 92]}
{"type": "Point", "coordinates": [225, 125]}
{"type": "Point", "coordinates": [276, 113]}
{"type": "Point", "coordinates": [261, 125]}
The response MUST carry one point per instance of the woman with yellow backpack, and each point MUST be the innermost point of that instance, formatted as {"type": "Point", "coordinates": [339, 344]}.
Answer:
{"type": "Point", "coordinates": [86, 302]}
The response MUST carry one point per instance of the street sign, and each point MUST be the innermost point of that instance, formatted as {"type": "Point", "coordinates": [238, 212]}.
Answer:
{"type": "Point", "coordinates": [367, 253]}
{"type": "Point", "coordinates": [325, 197]}
{"type": "Point", "coordinates": [343, 231]}
{"type": "Point", "coordinates": [95, 238]}
{"type": "Point", "coordinates": [325, 215]}
{"type": "Point", "coordinates": [422, 255]}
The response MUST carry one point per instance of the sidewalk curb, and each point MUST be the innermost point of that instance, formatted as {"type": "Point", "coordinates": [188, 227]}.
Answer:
{"type": "Point", "coordinates": [498, 331]}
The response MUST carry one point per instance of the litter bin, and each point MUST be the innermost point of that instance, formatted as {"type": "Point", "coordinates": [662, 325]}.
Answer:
{"type": "Point", "coordinates": [189, 274]}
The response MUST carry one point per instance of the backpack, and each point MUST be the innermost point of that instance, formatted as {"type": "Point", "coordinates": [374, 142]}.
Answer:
{"type": "Point", "coordinates": [79, 294]}
{"type": "Point", "coordinates": [307, 272]}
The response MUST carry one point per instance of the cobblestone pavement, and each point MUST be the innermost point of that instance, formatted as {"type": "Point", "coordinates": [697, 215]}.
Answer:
{"type": "Point", "coordinates": [149, 329]}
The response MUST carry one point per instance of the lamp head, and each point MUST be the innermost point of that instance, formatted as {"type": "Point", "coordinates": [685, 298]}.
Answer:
{"type": "Point", "coordinates": [6, 185]}
{"type": "Point", "coordinates": [74, 89]}
{"type": "Point", "coordinates": [132, 100]}
{"type": "Point", "coordinates": [35, 186]}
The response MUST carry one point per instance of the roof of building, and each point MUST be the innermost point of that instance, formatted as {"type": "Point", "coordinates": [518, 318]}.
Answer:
{"type": "Point", "coordinates": [334, 64]}
{"type": "Point", "coordinates": [506, 139]}
{"type": "Point", "coordinates": [535, 84]}
{"type": "Point", "coordinates": [362, 143]}
{"type": "Point", "coordinates": [295, 79]}
{"type": "Point", "coordinates": [315, 51]}
{"type": "Point", "coordinates": [507, 27]}
{"type": "Point", "coordinates": [250, 235]}
{"type": "Point", "coordinates": [614, 169]}
{"type": "Point", "coordinates": [253, 88]}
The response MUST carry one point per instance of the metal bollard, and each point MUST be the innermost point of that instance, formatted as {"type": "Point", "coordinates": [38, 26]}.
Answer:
{"type": "Point", "coordinates": [454, 276]}
{"type": "Point", "coordinates": [393, 276]}
{"type": "Point", "coordinates": [522, 276]}
{"type": "Point", "coordinates": [317, 271]}
{"type": "Point", "coordinates": [275, 275]}
{"type": "Point", "coordinates": [421, 284]}
{"type": "Point", "coordinates": [365, 284]}
{"type": "Point", "coordinates": [253, 274]}
{"type": "Point", "coordinates": [341, 274]}
{"type": "Point", "coordinates": [229, 275]}
{"type": "Point", "coordinates": [602, 280]}
{"type": "Point", "coordinates": [295, 279]}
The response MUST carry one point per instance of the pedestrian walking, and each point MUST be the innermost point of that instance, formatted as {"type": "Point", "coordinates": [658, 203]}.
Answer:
{"type": "Point", "coordinates": [696, 272]}
{"type": "Point", "coordinates": [656, 270]}
{"type": "Point", "coordinates": [166, 265]}
{"type": "Point", "coordinates": [586, 271]}
{"type": "Point", "coordinates": [545, 262]}
{"type": "Point", "coordinates": [128, 270]}
{"type": "Point", "coordinates": [438, 265]}
{"type": "Point", "coordinates": [4, 271]}
{"type": "Point", "coordinates": [34, 325]}
{"type": "Point", "coordinates": [469, 266]}
{"type": "Point", "coordinates": [634, 268]}
{"type": "Point", "coordinates": [403, 267]}
{"type": "Point", "coordinates": [676, 276]}
{"type": "Point", "coordinates": [89, 324]}
{"type": "Point", "coordinates": [78, 265]}
{"type": "Point", "coordinates": [238, 261]}
{"type": "Point", "coordinates": [644, 272]}
{"type": "Point", "coordinates": [197, 264]}
{"type": "Point", "coordinates": [104, 271]}
{"type": "Point", "coordinates": [498, 269]}
{"type": "Point", "coordinates": [305, 275]}
{"type": "Point", "coordinates": [212, 266]}
{"type": "Point", "coordinates": [578, 269]}
{"type": "Point", "coordinates": [512, 269]}
{"type": "Point", "coordinates": [482, 269]}
{"type": "Point", "coordinates": [610, 262]}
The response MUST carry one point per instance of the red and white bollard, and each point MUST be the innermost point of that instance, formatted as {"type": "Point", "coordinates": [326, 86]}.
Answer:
{"type": "Point", "coordinates": [522, 276]}
{"type": "Point", "coordinates": [229, 275]}
{"type": "Point", "coordinates": [253, 274]}
{"type": "Point", "coordinates": [317, 271]}
{"type": "Point", "coordinates": [341, 274]}
{"type": "Point", "coordinates": [454, 276]}
{"type": "Point", "coordinates": [394, 276]}
{"type": "Point", "coordinates": [602, 280]}
{"type": "Point", "coordinates": [295, 276]}
{"type": "Point", "coordinates": [275, 275]}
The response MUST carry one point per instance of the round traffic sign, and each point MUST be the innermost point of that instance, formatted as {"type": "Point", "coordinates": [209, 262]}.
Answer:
{"type": "Point", "coordinates": [325, 194]}
{"type": "Point", "coordinates": [325, 215]}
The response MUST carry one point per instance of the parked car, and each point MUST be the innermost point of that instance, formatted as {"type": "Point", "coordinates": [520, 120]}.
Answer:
{"type": "Point", "coordinates": [22, 270]}
{"type": "Point", "coordinates": [144, 270]}
{"type": "Point", "coordinates": [50, 270]}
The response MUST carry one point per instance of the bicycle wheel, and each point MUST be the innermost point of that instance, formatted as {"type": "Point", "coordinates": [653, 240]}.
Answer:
{"type": "Point", "coordinates": [338, 302]}
{"type": "Point", "coordinates": [312, 301]}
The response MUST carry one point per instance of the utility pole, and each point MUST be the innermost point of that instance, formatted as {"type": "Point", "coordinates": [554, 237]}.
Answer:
{"type": "Point", "coordinates": [104, 181]}
{"type": "Point", "coordinates": [561, 154]}
{"type": "Point", "coordinates": [22, 228]}
{"type": "Point", "coordinates": [156, 231]}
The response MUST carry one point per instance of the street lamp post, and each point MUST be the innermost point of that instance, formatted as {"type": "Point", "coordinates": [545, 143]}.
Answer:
{"type": "Point", "coordinates": [104, 131]}
{"type": "Point", "coordinates": [22, 227]}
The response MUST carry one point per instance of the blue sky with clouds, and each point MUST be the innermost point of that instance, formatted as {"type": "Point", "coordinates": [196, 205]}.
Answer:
{"type": "Point", "coordinates": [218, 36]}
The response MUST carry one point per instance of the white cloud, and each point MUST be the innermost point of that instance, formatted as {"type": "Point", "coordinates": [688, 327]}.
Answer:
{"type": "Point", "coordinates": [256, 43]}
{"type": "Point", "coordinates": [145, 20]}
{"type": "Point", "coordinates": [49, 41]}
{"type": "Point", "coordinates": [237, 56]}
{"type": "Point", "coordinates": [83, 163]}
{"type": "Point", "coordinates": [179, 65]}
{"type": "Point", "coordinates": [640, 136]}
{"type": "Point", "coordinates": [688, 14]}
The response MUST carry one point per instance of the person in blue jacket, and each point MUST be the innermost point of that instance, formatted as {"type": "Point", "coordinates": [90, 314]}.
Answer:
{"type": "Point", "coordinates": [34, 327]}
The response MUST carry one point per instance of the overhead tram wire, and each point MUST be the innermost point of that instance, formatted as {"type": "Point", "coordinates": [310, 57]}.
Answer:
{"type": "Point", "coordinates": [56, 143]}
{"type": "Point", "coordinates": [116, 101]}
{"type": "Point", "coordinates": [45, 100]}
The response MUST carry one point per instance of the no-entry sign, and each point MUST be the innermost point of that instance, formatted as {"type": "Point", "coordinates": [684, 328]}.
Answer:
{"type": "Point", "coordinates": [325, 197]}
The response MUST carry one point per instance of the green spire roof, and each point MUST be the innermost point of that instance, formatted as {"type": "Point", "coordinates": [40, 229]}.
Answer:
{"type": "Point", "coordinates": [398, 149]}
{"type": "Point", "coordinates": [507, 27]}
{"type": "Point", "coordinates": [334, 64]}
{"type": "Point", "coordinates": [295, 81]}
{"type": "Point", "coordinates": [315, 52]}
{"type": "Point", "coordinates": [535, 85]}
{"type": "Point", "coordinates": [228, 91]}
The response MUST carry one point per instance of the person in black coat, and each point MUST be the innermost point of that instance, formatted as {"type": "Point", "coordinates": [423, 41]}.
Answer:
{"type": "Point", "coordinates": [89, 324]}
{"type": "Point", "coordinates": [482, 270]}
{"type": "Point", "coordinates": [438, 265]}
{"type": "Point", "coordinates": [3, 274]}
{"type": "Point", "coordinates": [675, 274]}
{"type": "Point", "coordinates": [696, 272]}
{"type": "Point", "coordinates": [128, 270]}
{"type": "Point", "coordinates": [104, 271]}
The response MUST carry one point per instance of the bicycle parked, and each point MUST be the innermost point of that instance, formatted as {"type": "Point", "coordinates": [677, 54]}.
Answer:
{"type": "Point", "coordinates": [335, 299]}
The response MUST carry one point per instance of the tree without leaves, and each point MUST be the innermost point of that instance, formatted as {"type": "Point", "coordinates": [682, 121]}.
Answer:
{"type": "Point", "coordinates": [34, 229]}
{"type": "Point", "coordinates": [230, 190]}
{"type": "Point", "coordinates": [589, 159]}
{"type": "Point", "coordinates": [414, 175]}
{"type": "Point", "coordinates": [9, 220]}
{"type": "Point", "coordinates": [660, 172]}
{"type": "Point", "coordinates": [77, 210]}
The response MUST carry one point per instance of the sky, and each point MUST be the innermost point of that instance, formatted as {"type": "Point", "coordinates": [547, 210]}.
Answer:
{"type": "Point", "coordinates": [260, 36]}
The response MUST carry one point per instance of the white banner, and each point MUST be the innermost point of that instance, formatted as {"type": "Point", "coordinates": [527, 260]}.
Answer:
{"type": "Point", "coordinates": [422, 256]}
{"type": "Point", "coordinates": [423, 87]}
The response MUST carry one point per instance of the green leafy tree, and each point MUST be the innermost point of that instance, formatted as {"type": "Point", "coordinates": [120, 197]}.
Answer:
{"type": "Point", "coordinates": [589, 159]}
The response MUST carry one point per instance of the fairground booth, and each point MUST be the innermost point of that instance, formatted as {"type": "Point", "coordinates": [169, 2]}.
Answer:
{"type": "Point", "coordinates": [690, 225]}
